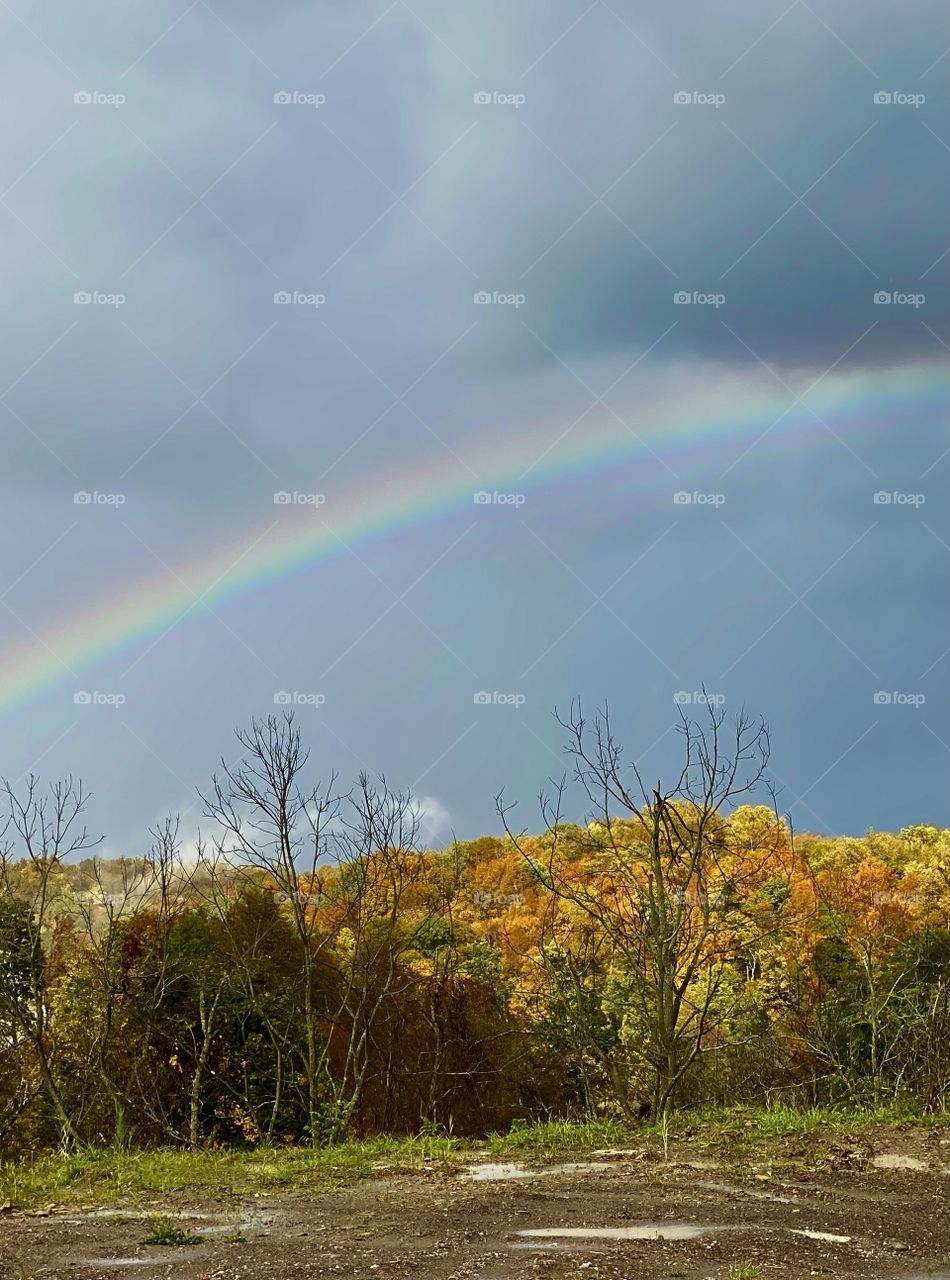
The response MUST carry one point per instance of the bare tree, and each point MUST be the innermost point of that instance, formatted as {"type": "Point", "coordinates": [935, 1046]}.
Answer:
{"type": "Point", "coordinates": [166, 892]}
{"type": "Point", "coordinates": [42, 830]}
{"type": "Point", "coordinates": [658, 877]}
{"type": "Point", "coordinates": [345, 867]}
{"type": "Point", "coordinates": [117, 890]}
{"type": "Point", "coordinates": [377, 899]}
{"type": "Point", "coordinates": [273, 822]}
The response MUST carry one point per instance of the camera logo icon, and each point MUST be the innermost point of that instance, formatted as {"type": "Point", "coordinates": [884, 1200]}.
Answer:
{"type": "Point", "coordinates": [481, 99]}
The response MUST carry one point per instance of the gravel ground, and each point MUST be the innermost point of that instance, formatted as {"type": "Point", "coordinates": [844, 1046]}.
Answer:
{"type": "Point", "coordinates": [852, 1206]}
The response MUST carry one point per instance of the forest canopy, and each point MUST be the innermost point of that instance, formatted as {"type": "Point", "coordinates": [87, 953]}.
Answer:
{"type": "Point", "coordinates": [310, 970]}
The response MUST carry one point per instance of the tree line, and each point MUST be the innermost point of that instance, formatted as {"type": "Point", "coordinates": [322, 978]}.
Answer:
{"type": "Point", "coordinates": [310, 970]}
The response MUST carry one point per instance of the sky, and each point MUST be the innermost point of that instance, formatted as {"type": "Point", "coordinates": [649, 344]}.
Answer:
{"type": "Point", "coordinates": [419, 368]}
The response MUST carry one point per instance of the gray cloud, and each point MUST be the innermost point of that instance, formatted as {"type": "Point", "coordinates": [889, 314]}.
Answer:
{"type": "Point", "coordinates": [397, 199]}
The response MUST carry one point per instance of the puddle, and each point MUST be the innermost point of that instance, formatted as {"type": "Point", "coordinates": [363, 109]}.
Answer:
{"type": "Point", "coordinates": [205, 1223]}
{"type": "Point", "coordinates": [510, 1171]}
{"type": "Point", "coordinates": [499, 1172]}
{"type": "Point", "coordinates": [645, 1231]}
{"type": "Point", "coordinates": [126, 1262]}
{"type": "Point", "coordinates": [898, 1162]}
{"type": "Point", "coordinates": [207, 1226]}
{"type": "Point", "coordinates": [751, 1192]}
{"type": "Point", "coordinates": [820, 1235]}
{"type": "Point", "coordinates": [131, 1215]}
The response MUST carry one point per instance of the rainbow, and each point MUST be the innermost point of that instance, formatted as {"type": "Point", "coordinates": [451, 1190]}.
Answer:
{"type": "Point", "coordinates": [304, 536]}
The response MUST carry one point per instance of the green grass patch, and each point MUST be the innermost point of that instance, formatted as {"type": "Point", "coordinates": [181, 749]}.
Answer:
{"type": "Point", "coordinates": [554, 1136]}
{"type": "Point", "coordinates": [108, 1175]}
{"type": "Point", "coordinates": [105, 1175]}
{"type": "Point", "coordinates": [166, 1231]}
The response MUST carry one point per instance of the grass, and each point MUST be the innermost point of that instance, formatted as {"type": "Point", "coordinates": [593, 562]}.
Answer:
{"type": "Point", "coordinates": [781, 1121]}
{"type": "Point", "coordinates": [745, 1271]}
{"type": "Point", "coordinates": [97, 1175]}
{"type": "Point", "coordinates": [166, 1231]}
{"type": "Point", "coordinates": [555, 1136]}
{"type": "Point", "coordinates": [108, 1174]}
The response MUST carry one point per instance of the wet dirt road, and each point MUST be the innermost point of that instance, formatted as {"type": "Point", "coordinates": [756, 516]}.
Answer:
{"type": "Point", "coordinates": [862, 1207]}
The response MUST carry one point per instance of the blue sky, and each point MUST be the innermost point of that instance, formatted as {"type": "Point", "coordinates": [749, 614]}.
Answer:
{"type": "Point", "coordinates": [586, 167]}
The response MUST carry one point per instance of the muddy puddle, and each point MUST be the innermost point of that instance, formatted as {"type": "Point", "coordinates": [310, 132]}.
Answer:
{"type": "Point", "coordinates": [826, 1236]}
{"type": "Point", "coordinates": [511, 1171]}
{"type": "Point", "coordinates": [898, 1162]}
{"type": "Point", "coordinates": [642, 1231]}
{"type": "Point", "coordinates": [241, 1224]}
{"type": "Point", "coordinates": [754, 1193]}
{"type": "Point", "coordinates": [126, 1262]}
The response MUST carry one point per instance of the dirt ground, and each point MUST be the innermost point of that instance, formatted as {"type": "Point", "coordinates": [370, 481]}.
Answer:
{"type": "Point", "coordinates": [854, 1206]}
